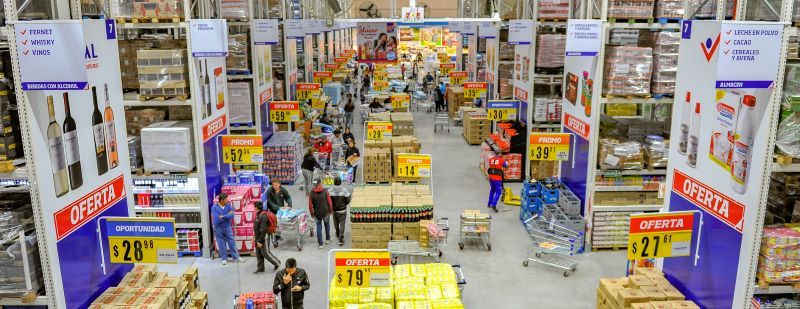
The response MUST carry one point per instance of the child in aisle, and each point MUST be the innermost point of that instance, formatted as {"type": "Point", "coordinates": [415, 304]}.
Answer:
{"type": "Point", "coordinates": [222, 217]}
{"type": "Point", "coordinates": [320, 207]}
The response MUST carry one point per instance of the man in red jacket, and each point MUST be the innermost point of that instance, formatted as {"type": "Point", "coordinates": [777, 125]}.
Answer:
{"type": "Point", "coordinates": [496, 173]}
{"type": "Point", "coordinates": [320, 207]}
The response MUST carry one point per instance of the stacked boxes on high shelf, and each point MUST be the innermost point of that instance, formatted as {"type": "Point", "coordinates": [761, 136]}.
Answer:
{"type": "Point", "coordinates": [380, 213]}
{"type": "Point", "coordinates": [163, 73]}
{"type": "Point", "coordinates": [646, 289]}
{"type": "Point", "coordinates": [168, 147]}
{"type": "Point", "coordinates": [235, 9]}
{"type": "Point", "coordinates": [628, 70]}
{"type": "Point", "coordinates": [477, 125]}
{"type": "Point", "coordinates": [640, 9]}
{"type": "Point", "coordinates": [238, 53]}
{"type": "Point", "coordinates": [128, 51]}
{"type": "Point", "coordinates": [672, 9]}
{"type": "Point", "coordinates": [151, 8]}
{"type": "Point", "coordinates": [240, 108]}
{"type": "Point", "coordinates": [146, 287]}
{"type": "Point", "coordinates": [283, 154]}
{"type": "Point", "coordinates": [8, 144]}
{"type": "Point", "coordinates": [550, 50]}
{"type": "Point", "coordinates": [665, 60]}
{"type": "Point", "coordinates": [554, 9]}
{"type": "Point", "coordinates": [783, 199]}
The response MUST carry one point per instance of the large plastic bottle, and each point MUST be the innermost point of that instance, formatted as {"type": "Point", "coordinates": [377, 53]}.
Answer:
{"type": "Point", "coordinates": [685, 118]}
{"type": "Point", "coordinates": [694, 136]}
{"type": "Point", "coordinates": [743, 144]}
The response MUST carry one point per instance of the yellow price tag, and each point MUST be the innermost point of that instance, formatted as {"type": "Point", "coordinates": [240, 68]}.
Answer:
{"type": "Point", "coordinates": [457, 78]}
{"type": "Point", "coordinates": [322, 77]}
{"type": "Point", "coordinates": [473, 90]}
{"type": "Point", "coordinates": [379, 86]}
{"type": "Point", "coordinates": [549, 146]}
{"type": "Point", "coordinates": [400, 100]}
{"type": "Point", "coordinates": [362, 269]}
{"type": "Point", "coordinates": [284, 111]}
{"type": "Point", "coordinates": [380, 76]}
{"type": "Point", "coordinates": [660, 235]}
{"type": "Point", "coordinates": [141, 240]}
{"type": "Point", "coordinates": [443, 57]}
{"type": "Point", "coordinates": [378, 130]}
{"type": "Point", "coordinates": [446, 68]}
{"type": "Point", "coordinates": [413, 165]}
{"type": "Point", "coordinates": [242, 149]}
{"type": "Point", "coordinates": [501, 113]}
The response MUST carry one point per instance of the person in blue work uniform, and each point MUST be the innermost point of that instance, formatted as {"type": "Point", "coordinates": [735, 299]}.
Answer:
{"type": "Point", "coordinates": [221, 215]}
{"type": "Point", "coordinates": [496, 173]}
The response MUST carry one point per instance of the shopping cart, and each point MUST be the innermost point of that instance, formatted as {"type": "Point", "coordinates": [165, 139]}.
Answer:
{"type": "Point", "coordinates": [442, 121]}
{"type": "Point", "coordinates": [477, 227]}
{"type": "Point", "coordinates": [552, 243]}
{"type": "Point", "coordinates": [291, 221]}
{"type": "Point", "coordinates": [410, 250]}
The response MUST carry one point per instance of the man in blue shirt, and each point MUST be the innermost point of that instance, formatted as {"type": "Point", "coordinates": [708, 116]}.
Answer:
{"type": "Point", "coordinates": [221, 216]}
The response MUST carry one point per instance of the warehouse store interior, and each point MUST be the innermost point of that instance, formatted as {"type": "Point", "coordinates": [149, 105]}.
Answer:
{"type": "Point", "coordinates": [385, 154]}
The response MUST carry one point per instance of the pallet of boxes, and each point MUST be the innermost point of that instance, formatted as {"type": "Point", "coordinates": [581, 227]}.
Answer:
{"type": "Point", "coordinates": [146, 287]}
{"type": "Point", "coordinates": [380, 213]}
{"type": "Point", "coordinates": [403, 144]}
{"type": "Point", "coordinates": [477, 125]}
{"type": "Point", "coordinates": [456, 100]}
{"type": "Point", "coordinates": [402, 124]}
{"type": "Point", "coordinates": [645, 289]}
{"type": "Point", "coordinates": [377, 160]}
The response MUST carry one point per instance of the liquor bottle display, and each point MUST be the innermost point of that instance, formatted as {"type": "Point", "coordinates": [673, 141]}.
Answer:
{"type": "Point", "coordinates": [99, 136]}
{"type": "Point", "coordinates": [206, 89]}
{"type": "Point", "coordinates": [219, 80]}
{"type": "Point", "coordinates": [202, 89]}
{"type": "Point", "coordinates": [72, 149]}
{"type": "Point", "coordinates": [58, 160]}
{"type": "Point", "coordinates": [111, 132]}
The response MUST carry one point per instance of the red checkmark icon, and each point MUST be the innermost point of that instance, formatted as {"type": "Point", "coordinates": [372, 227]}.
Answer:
{"type": "Point", "coordinates": [728, 32]}
{"type": "Point", "coordinates": [25, 52]}
{"type": "Point", "coordinates": [727, 42]}
{"type": "Point", "coordinates": [25, 42]}
{"type": "Point", "coordinates": [726, 52]}
{"type": "Point", "coordinates": [23, 31]}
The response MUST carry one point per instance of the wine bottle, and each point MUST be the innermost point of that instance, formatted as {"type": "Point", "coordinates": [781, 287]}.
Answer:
{"type": "Point", "coordinates": [55, 143]}
{"type": "Point", "coordinates": [73, 153]}
{"type": "Point", "coordinates": [99, 137]}
{"type": "Point", "coordinates": [111, 132]}
{"type": "Point", "coordinates": [207, 89]}
{"type": "Point", "coordinates": [202, 88]}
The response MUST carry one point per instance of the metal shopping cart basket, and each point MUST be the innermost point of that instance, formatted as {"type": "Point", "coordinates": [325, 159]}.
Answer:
{"type": "Point", "coordinates": [441, 120]}
{"type": "Point", "coordinates": [409, 251]}
{"type": "Point", "coordinates": [475, 226]}
{"type": "Point", "coordinates": [298, 225]}
{"type": "Point", "coordinates": [552, 244]}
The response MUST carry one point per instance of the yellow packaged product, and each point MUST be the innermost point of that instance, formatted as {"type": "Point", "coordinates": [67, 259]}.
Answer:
{"type": "Point", "coordinates": [434, 292]}
{"type": "Point", "coordinates": [405, 305]}
{"type": "Point", "coordinates": [366, 295]}
{"type": "Point", "coordinates": [450, 290]}
{"type": "Point", "coordinates": [384, 295]}
{"type": "Point", "coordinates": [447, 304]}
{"type": "Point", "coordinates": [375, 306]}
{"type": "Point", "coordinates": [422, 304]}
{"type": "Point", "coordinates": [352, 306]}
{"type": "Point", "coordinates": [350, 295]}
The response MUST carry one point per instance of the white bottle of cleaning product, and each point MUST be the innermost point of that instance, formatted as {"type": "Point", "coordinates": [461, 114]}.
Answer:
{"type": "Point", "coordinates": [694, 136]}
{"type": "Point", "coordinates": [685, 118]}
{"type": "Point", "coordinates": [743, 144]}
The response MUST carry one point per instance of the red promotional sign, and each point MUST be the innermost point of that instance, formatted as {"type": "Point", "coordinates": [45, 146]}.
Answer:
{"type": "Point", "coordinates": [331, 66]}
{"type": "Point", "coordinates": [712, 201]}
{"type": "Point", "coordinates": [214, 127]}
{"type": "Point", "coordinates": [86, 208]}
{"type": "Point", "coordinates": [576, 125]}
{"type": "Point", "coordinates": [679, 222]}
{"type": "Point", "coordinates": [520, 94]}
{"type": "Point", "coordinates": [265, 96]}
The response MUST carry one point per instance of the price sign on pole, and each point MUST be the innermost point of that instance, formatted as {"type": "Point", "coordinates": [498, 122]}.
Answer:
{"type": "Point", "coordinates": [141, 240]}
{"type": "Point", "coordinates": [658, 235]}
{"type": "Point", "coordinates": [400, 100]}
{"type": "Point", "coordinates": [378, 130]}
{"type": "Point", "coordinates": [310, 91]}
{"type": "Point", "coordinates": [284, 111]}
{"type": "Point", "coordinates": [340, 61]}
{"type": "Point", "coordinates": [457, 78]}
{"type": "Point", "coordinates": [502, 110]}
{"type": "Point", "coordinates": [549, 146]}
{"type": "Point", "coordinates": [242, 149]}
{"type": "Point", "coordinates": [380, 75]}
{"type": "Point", "coordinates": [445, 68]}
{"type": "Point", "coordinates": [473, 90]}
{"type": "Point", "coordinates": [322, 77]}
{"type": "Point", "coordinates": [331, 66]}
{"type": "Point", "coordinates": [413, 165]}
{"type": "Point", "coordinates": [379, 86]}
{"type": "Point", "coordinates": [443, 57]}
{"type": "Point", "coordinates": [362, 269]}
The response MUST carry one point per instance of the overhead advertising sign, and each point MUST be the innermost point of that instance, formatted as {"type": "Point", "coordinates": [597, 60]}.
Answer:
{"type": "Point", "coordinates": [293, 28]}
{"type": "Point", "coordinates": [215, 37]}
{"type": "Point", "coordinates": [44, 45]}
{"type": "Point", "coordinates": [322, 77]}
{"type": "Point", "coordinates": [81, 166]}
{"type": "Point", "coordinates": [583, 37]}
{"type": "Point", "coordinates": [445, 68]}
{"type": "Point", "coordinates": [521, 31]}
{"type": "Point", "coordinates": [380, 85]}
{"type": "Point", "coordinates": [265, 32]}
{"type": "Point", "coordinates": [457, 78]}
{"type": "Point", "coordinates": [362, 269]}
{"type": "Point", "coordinates": [487, 29]}
{"type": "Point", "coordinates": [660, 235]}
{"type": "Point", "coordinates": [242, 149]}
{"type": "Point", "coordinates": [284, 111]}
{"type": "Point", "coordinates": [142, 240]}
{"type": "Point", "coordinates": [725, 104]}
{"type": "Point", "coordinates": [413, 165]}
{"type": "Point", "coordinates": [502, 110]}
{"type": "Point", "coordinates": [377, 41]}
{"type": "Point", "coordinates": [400, 100]}
{"type": "Point", "coordinates": [310, 92]}
{"type": "Point", "coordinates": [379, 130]}
{"type": "Point", "coordinates": [549, 146]}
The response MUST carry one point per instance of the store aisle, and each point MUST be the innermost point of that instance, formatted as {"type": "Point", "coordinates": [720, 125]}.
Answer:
{"type": "Point", "coordinates": [458, 185]}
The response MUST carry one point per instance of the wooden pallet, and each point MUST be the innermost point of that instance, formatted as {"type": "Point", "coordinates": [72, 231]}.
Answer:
{"type": "Point", "coordinates": [631, 20]}
{"type": "Point", "coordinates": [24, 297]}
{"type": "Point", "coordinates": [144, 98]}
{"type": "Point", "coordinates": [552, 20]}
{"type": "Point", "coordinates": [144, 20]}
{"type": "Point", "coordinates": [628, 96]}
{"type": "Point", "coordinates": [405, 180]}
{"type": "Point", "coordinates": [377, 182]}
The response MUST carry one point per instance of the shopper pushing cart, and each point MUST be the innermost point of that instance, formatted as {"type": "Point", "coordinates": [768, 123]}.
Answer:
{"type": "Point", "coordinates": [497, 166]}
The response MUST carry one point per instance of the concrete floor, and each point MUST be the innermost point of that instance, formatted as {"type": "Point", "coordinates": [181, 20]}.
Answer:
{"type": "Point", "coordinates": [458, 184]}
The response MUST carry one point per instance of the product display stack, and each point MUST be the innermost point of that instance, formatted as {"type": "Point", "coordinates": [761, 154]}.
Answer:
{"type": "Point", "coordinates": [240, 108]}
{"type": "Point", "coordinates": [639, 9]}
{"type": "Point", "coordinates": [283, 154]}
{"type": "Point", "coordinates": [477, 125]}
{"type": "Point", "coordinates": [402, 124]}
{"type": "Point", "coordinates": [550, 51]}
{"type": "Point", "coordinates": [377, 165]}
{"type": "Point", "coordinates": [508, 143]}
{"type": "Point", "coordinates": [456, 100]}
{"type": "Point", "coordinates": [645, 289]}
{"type": "Point", "coordinates": [628, 70]}
{"type": "Point", "coordinates": [379, 213]}
{"type": "Point", "coordinates": [256, 300]}
{"type": "Point", "coordinates": [670, 9]}
{"type": "Point", "coordinates": [243, 189]}
{"type": "Point", "coordinates": [168, 147]}
{"type": "Point", "coordinates": [146, 287]}
{"type": "Point", "coordinates": [162, 74]}
{"type": "Point", "coordinates": [238, 58]}
{"type": "Point", "coordinates": [554, 9]}
{"type": "Point", "coordinates": [665, 62]}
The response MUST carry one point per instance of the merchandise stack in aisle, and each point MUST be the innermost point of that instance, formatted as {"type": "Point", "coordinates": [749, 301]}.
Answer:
{"type": "Point", "coordinates": [433, 286]}
{"type": "Point", "coordinates": [283, 154]}
{"type": "Point", "coordinates": [243, 189]}
{"type": "Point", "coordinates": [380, 213]}
{"type": "Point", "coordinates": [146, 287]}
{"type": "Point", "coordinates": [256, 300]}
{"type": "Point", "coordinates": [508, 143]}
{"type": "Point", "coordinates": [380, 157]}
{"type": "Point", "coordinates": [553, 200]}
{"type": "Point", "coordinates": [646, 288]}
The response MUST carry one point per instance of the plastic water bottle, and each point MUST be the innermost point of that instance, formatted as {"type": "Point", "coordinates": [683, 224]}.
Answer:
{"type": "Point", "coordinates": [694, 132]}
{"type": "Point", "coordinates": [743, 144]}
{"type": "Point", "coordinates": [685, 118]}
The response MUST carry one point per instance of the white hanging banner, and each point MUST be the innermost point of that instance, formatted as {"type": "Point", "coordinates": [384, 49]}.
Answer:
{"type": "Point", "coordinates": [455, 26]}
{"type": "Point", "coordinates": [469, 28]}
{"type": "Point", "coordinates": [45, 45]}
{"type": "Point", "coordinates": [520, 31]}
{"type": "Point", "coordinates": [293, 29]}
{"type": "Point", "coordinates": [265, 32]}
{"type": "Point", "coordinates": [744, 49]}
{"type": "Point", "coordinates": [214, 34]}
{"type": "Point", "coordinates": [487, 29]}
{"type": "Point", "coordinates": [583, 37]}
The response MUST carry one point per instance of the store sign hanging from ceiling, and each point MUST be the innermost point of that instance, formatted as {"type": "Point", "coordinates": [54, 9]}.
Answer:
{"type": "Point", "coordinates": [265, 32]}
{"type": "Point", "coordinates": [520, 31]}
{"type": "Point", "coordinates": [214, 34]}
{"type": "Point", "coordinates": [44, 45]}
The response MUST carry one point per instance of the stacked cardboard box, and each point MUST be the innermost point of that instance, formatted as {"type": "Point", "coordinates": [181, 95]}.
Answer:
{"type": "Point", "coordinates": [146, 287]}
{"type": "Point", "coordinates": [665, 62]}
{"type": "Point", "coordinates": [240, 109]}
{"type": "Point", "coordinates": [627, 198]}
{"type": "Point", "coordinates": [380, 213]}
{"type": "Point", "coordinates": [543, 169]}
{"type": "Point", "coordinates": [242, 197]}
{"type": "Point", "coordinates": [152, 8]}
{"type": "Point", "coordinates": [283, 154]}
{"type": "Point", "coordinates": [477, 126]}
{"type": "Point", "coordinates": [163, 72]}
{"type": "Point", "coordinates": [456, 100]}
{"type": "Point", "coordinates": [138, 118]}
{"type": "Point", "coordinates": [238, 52]}
{"type": "Point", "coordinates": [550, 50]}
{"type": "Point", "coordinates": [127, 60]}
{"type": "Point", "coordinates": [670, 8]}
{"type": "Point", "coordinates": [646, 289]}
{"type": "Point", "coordinates": [631, 8]}
{"type": "Point", "coordinates": [555, 9]}
{"type": "Point", "coordinates": [168, 147]}
{"type": "Point", "coordinates": [402, 124]}
{"type": "Point", "coordinates": [370, 235]}
{"type": "Point", "coordinates": [628, 70]}
{"type": "Point", "coordinates": [377, 165]}
{"type": "Point", "coordinates": [235, 9]}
